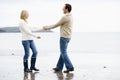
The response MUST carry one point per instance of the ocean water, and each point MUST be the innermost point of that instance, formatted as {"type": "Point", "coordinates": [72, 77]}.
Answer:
{"type": "Point", "coordinates": [81, 42]}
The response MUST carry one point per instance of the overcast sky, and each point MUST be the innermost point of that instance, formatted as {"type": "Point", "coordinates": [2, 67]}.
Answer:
{"type": "Point", "coordinates": [89, 15]}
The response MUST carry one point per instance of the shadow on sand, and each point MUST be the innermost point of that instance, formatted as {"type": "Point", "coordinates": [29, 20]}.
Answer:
{"type": "Point", "coordinates": [61, 76]}
{"type": "Point", "coordinates": [32, 75]}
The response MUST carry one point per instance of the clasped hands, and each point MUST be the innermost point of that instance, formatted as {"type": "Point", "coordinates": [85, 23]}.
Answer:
{"type": "Point", "coordinates": [44, 28]}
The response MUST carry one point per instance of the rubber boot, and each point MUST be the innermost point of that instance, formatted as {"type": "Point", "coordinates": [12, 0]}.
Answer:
{"type": "Point", "coordinates": [33, 61]}
{"type": "Point", "coordinates": [26, 69]}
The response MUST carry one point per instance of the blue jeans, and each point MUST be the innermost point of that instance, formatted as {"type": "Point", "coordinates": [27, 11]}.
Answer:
{"type": "Point", "coordinates": [27, 44]}
{"type": "Point", "coordinates": [64, 59]}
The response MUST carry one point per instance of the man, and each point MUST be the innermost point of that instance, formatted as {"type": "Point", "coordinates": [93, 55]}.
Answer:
{"type": "Point", "coordinates": [65, 25]}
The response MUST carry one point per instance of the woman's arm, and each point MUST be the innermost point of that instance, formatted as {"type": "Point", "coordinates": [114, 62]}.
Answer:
{"type": "Point", "coordinates": [36, 28]}
{"type": "Point", "coordinates": [24, 29]}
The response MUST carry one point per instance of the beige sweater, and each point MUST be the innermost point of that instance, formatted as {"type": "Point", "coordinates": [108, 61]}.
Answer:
{"type": "Point", "coordinates": [65, 25]}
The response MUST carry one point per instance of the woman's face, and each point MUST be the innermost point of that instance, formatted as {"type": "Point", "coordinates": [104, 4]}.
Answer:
{"type": "Point", "coordinates": [26, 15]}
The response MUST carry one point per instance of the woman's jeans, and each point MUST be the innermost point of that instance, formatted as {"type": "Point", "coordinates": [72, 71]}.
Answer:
{"type": "Point", "coordinates": [27, 44]}
{"type": "Point", "coordinates": [64, 56]}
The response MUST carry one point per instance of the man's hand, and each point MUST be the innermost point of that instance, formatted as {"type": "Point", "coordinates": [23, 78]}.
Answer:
{"type": "Point", "coordinates": [45, 28]}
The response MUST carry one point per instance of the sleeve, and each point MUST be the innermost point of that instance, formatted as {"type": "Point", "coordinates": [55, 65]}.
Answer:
{"type": "Point", "coordinates": [36, 28]}
{"type": "Point", "coordinates": [25, 30]}
{"type": "Point", "coordinates": [58, 24]}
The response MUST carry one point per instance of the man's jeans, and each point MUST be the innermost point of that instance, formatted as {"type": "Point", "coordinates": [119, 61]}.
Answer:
{"type": "Point", "coordinates": [27, 44]}
{"type": "Point", "coordinates": [63, 56]}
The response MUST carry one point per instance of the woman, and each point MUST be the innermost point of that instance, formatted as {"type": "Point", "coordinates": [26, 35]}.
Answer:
{"type": "Point", "coordinates": [27, 42]}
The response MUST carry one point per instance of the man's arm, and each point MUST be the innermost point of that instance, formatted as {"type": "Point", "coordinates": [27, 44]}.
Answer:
{"type": "Point", "coordinates": [58, 24]}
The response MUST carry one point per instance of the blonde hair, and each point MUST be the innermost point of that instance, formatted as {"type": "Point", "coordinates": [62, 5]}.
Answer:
{"type": "Point", "coordinates": [23, 14]}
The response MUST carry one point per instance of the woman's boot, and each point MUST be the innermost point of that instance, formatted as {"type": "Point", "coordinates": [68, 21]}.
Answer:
{"type": "Point", "coordinates": [26, 69]}
{"type": "Point", "coordinates": [33, 61]}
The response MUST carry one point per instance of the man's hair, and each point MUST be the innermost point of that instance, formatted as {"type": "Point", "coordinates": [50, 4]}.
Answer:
{"type": "Point", "coordinates": [68, 6]}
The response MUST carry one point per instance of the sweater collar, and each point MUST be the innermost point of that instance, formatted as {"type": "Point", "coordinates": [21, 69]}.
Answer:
{"type": "Point", "coordinates": [68, 14]}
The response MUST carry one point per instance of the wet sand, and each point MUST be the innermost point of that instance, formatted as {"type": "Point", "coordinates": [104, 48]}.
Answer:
{"type": "Point", "coordinates": [88, 66]}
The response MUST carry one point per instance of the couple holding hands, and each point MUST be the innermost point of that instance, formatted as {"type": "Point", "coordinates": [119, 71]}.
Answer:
{"type": "Point", "coordinates": [65, 24]}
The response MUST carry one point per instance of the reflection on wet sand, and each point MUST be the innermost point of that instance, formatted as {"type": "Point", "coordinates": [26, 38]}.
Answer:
{"type": "Point", "coordinates": [31, 77]}
{"type": "Point", "coordinates": [68, 76]}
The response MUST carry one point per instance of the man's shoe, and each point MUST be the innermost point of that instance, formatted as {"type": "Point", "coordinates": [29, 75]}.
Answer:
{"type": "Point", "coordinates": [67, 71]}
{"type": "Point", "coordinates": [56, 69]}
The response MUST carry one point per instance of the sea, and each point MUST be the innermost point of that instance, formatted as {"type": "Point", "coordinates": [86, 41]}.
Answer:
{"type": "Point", "coordinates": [81, 43]}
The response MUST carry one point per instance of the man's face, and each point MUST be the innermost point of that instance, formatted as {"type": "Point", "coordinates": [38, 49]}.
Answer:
{"type": "Point", "coordinates": [64, 10]}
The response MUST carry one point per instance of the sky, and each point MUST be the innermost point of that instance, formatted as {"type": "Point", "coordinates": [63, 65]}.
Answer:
{"type": "Point", "coordinates": [88, 15]}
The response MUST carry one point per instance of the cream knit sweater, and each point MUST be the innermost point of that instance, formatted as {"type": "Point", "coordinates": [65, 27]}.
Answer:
{"type": "Point", "coordinates": [65, 25]}
{"type": "Point", "coordinates": [26, 30]}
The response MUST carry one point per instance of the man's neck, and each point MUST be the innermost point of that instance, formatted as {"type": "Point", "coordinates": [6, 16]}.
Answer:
{"type": "Point", "coordinates": [67, 12]}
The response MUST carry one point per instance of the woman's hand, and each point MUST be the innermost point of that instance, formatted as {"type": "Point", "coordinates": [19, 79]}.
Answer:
{"type": "Point", "coordinates": [38, 37]}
